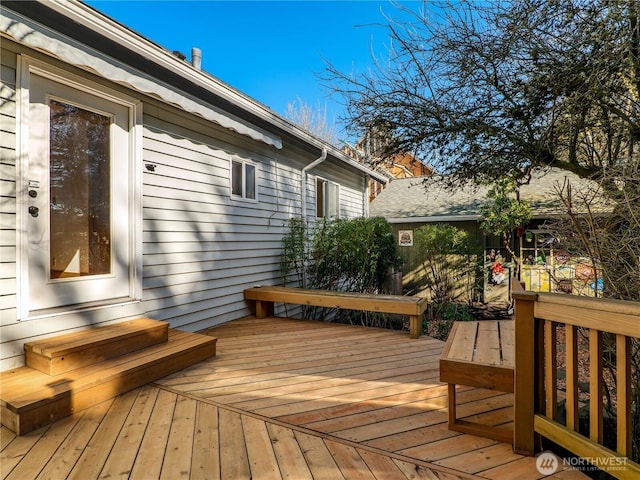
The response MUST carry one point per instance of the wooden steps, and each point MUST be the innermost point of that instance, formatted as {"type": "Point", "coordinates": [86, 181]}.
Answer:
{"type": "Point", "coordinates": [118, 362]}
{"type": "Point", "coordinates": [64, 353]}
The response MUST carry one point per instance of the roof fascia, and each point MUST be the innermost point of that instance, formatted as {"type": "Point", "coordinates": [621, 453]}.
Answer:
{"type": "Point", "coordinates": [465, 218]}
{"type": "Point", "coordinates": [120, 34]}
{"type": "Point", "coordinates": [433, 219]}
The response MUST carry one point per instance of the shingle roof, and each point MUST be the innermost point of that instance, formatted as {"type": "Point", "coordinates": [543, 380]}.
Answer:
{"type": "Point", "coordinates": [427, 199]}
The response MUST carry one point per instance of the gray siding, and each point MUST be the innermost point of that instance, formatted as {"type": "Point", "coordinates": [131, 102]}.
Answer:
{"type": "Point", "coordinates": [352, 196]}
{"type": "Point", "coordinates": [201, 248]}
{"type": "Point", "coordinates": [7, 187]}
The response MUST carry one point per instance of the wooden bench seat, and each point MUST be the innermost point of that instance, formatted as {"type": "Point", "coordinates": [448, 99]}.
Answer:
{"type": "Point", "coordinates": [479, 354]}
{"type": "Point", "coordinates": [266, 296]}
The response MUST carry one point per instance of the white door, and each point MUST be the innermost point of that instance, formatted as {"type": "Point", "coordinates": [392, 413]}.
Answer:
{"type": "Point", "coordinates": [78, 214]}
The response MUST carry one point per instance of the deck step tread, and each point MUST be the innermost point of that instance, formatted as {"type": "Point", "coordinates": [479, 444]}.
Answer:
{"type": "Point", "coordinates": [31, 398]}
{"type": "Point", "coordinates": [64, 353]}
{"type": "Point", "coordinates": [70, 341]}
{"type": "Point", "coordinates": [27, 385]}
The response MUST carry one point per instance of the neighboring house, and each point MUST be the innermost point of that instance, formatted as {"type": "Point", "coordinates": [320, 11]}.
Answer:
{"type": "Point", "coordinates": [400, 165]}
{"type": "Point", "coordinates": [135, 184]}
{"type": "Point", "coordinates": [413, 202]}
{"type": "Point", "coordinates": [370, 150]}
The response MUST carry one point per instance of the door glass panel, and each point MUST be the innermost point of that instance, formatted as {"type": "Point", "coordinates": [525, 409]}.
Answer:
{"type": "Point", "coordinates": [80, 185]}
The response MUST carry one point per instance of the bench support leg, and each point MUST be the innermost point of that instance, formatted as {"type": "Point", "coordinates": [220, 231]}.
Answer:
{"type": "Point", "coordinates": [451, 387]}
{"type": "Point", "coordinates": [264, 309]}
{"type": "Point", "coordinates": [415, 325]}
{"type": "Point", "coordinates": [501, 434]}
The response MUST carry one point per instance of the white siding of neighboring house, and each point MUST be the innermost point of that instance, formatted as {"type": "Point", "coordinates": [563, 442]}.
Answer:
{"type": "Point", "coordinates": [201, 248]}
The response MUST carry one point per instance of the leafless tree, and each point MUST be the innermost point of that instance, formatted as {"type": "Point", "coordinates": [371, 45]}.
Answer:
{"type": "Point", "coordinates": [607, 233]}
{"type": "Point", "coordinates": [314, 120]}
{"type": "Point", "coordinates": [490, 88]}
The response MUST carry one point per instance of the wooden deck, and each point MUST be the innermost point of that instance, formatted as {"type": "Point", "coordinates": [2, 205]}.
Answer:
{"type": "Point", "coordinates": [283, 399]}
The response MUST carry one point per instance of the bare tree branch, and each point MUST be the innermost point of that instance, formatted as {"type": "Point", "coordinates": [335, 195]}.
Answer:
{"type": "Point", "coordinates": [476, 88]}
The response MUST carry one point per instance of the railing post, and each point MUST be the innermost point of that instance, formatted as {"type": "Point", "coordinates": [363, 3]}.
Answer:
{"type": "Point", "coordinates": [524, 373]}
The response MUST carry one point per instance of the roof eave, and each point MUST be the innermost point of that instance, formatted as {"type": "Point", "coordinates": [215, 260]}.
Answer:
{"type": "Point", "coordinates": [127, 38]}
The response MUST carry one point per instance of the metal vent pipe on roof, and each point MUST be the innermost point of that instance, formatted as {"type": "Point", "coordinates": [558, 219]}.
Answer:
{"type": "Point", "coordinates": [196, 58]}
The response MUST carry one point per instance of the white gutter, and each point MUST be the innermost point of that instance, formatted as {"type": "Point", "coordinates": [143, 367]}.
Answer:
{"type": "Point", "coordinates": [303, 180]}
{"type": "Point", "coordinates": [365, 198]}
{"type": "Point", "coordinates": [303, 190]}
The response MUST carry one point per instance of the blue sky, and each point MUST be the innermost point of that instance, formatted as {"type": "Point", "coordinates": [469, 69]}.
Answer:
{"type": "Point", "coordinates": [269, 50]}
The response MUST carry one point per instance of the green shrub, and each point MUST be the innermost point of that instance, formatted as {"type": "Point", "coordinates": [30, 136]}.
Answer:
{"type": "Point", "coordinates": [441, 319]}
{"type": "Point", "coordinates": [346, 255]}
{"type": "Point", "coordinates": [353, 255]}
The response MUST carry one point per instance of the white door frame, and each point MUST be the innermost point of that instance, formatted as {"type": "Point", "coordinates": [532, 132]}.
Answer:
{"type": "Point", "coordinates": [26, 67]}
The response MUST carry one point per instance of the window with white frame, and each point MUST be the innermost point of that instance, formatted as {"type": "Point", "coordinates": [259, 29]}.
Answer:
{"type": "Point", "coordinates": [327, 199]}
{"type": "Point", "coordinates": [243, 179]}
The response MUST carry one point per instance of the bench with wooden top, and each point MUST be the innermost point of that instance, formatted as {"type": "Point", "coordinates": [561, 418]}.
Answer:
{"type": "Point", "coordinates": [266, 296]}
{"type": "Point", "coordinates": [479, 354]}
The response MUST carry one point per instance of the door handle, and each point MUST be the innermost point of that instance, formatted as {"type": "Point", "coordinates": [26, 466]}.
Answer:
{"type": "Point", "coordinates": [33, 211]}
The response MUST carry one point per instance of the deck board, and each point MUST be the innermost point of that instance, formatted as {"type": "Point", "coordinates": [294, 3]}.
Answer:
{"type": "Point", "coordinates": [282, 399]}
{"type": "Point", "coordinates": [93, 458]}
{"type": "Point", "coordinates": [123, 453]}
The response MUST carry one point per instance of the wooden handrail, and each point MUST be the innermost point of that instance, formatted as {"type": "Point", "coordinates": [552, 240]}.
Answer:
{"type": "Point", "coordinates": [537, 319]}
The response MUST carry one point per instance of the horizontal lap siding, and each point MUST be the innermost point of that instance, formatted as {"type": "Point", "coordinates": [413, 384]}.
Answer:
{"type": "Point", "coordinates": [10, 350]}
{"type": "Point", "coordinates": [7, 187]}
{"type": "Point", "coordinates": [202, 248]}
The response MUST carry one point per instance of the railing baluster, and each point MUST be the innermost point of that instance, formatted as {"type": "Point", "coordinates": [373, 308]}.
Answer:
{"type": "Point", "coordinates": [571, 357]}
{"type": "Point", "coordinates": [595, 385]}
{"type": "Point", "coordinates": [623, 392]}
{"type": "Point", "coordinates": [551, 370]}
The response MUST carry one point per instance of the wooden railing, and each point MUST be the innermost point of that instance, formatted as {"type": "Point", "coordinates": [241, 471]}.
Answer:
{"type": "Point", "coordinates": [539, 318]}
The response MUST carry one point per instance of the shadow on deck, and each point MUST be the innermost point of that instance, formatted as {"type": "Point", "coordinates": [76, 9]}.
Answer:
{"type": "Point", "coordinates": [283, 398]}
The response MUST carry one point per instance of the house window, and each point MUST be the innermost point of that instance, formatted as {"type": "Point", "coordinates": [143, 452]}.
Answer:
{"type": "Point", "coordinates": [327, 199]}
{"type": "Point", "coordinates": [243, 180]}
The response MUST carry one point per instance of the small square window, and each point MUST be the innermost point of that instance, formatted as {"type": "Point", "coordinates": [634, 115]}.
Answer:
{"type": "Point", "coordinates": [243, 180]}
